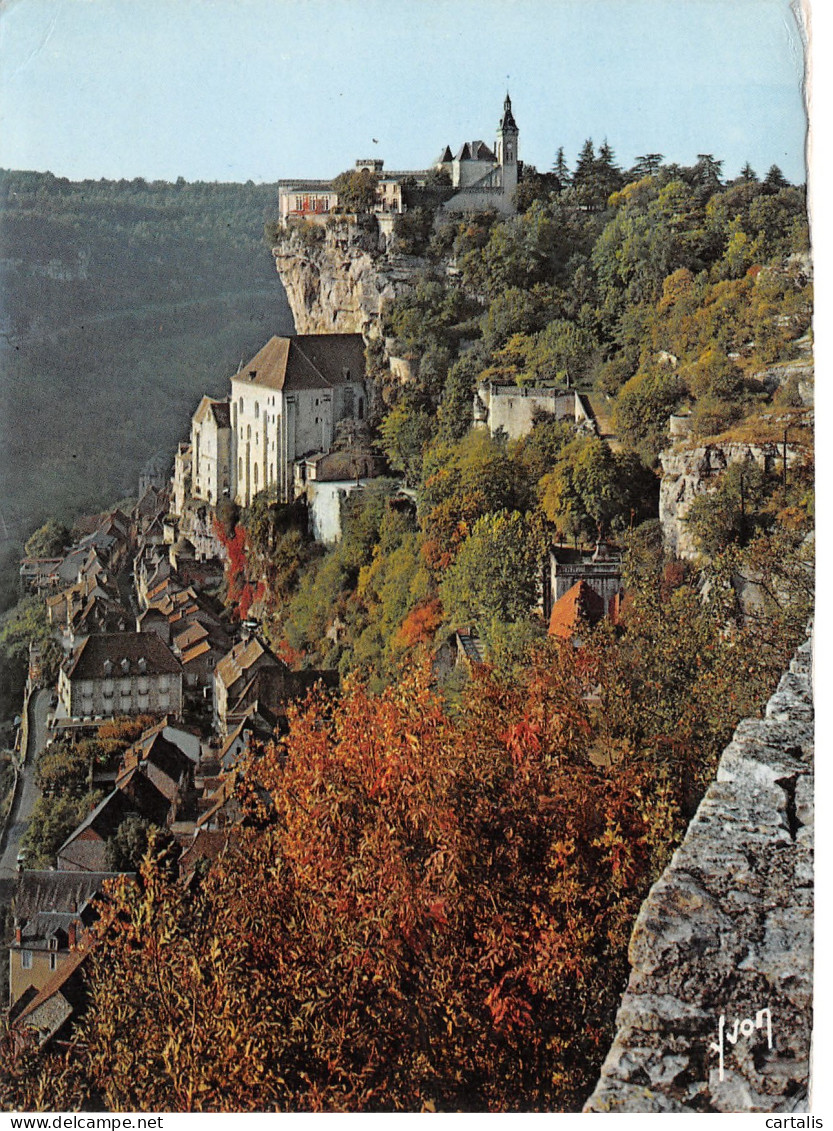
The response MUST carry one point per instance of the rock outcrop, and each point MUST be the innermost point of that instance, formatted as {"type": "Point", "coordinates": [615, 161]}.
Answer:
{"type": "Point", "coordinates": [336, 287]}
{"type": "Point", "coordinates": [726, 933]}
{"type": "Point", "coordinates": [689, 471]}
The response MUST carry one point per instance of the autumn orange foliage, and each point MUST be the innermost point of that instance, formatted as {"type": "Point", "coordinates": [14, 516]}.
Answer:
{"type": "Point", "coordinates": [422, 910]}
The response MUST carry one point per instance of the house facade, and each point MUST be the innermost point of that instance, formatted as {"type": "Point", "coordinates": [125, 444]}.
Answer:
{"type": "Point", "coordinates": [121, 673]}
{"type": "Point", "coordinates": [286, 402]}
{"type": "Point", "coordinates": [52, 911]}
{"type": "Point", "coordinates": [211, 451]}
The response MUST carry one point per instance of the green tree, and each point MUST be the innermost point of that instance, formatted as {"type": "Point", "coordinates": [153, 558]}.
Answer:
{"type": "Point", "coordinates": [51, 822]}
{"type": "Point", "coordinates": [356, 189]}
{"type": "Point", "coordinates": [405, 431]}
{"type": "Point", "coordinates": [495, 573]}
{"type": "Point", "coordinates": [592, 490]}
{"type": "Point", "coordinates": [454, 415]}
{"type": "Point", "coordinates": [643, 406]}
{"type": "Point", "coordinates": [734, 511]}
{"type": "Point", "coordinates": [48, 541]}
{"type": "Point", "coordinates": [561, 169]}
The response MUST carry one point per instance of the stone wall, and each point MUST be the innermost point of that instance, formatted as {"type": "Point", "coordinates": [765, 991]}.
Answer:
{"type": "Point", "coordinates": [727, 931]}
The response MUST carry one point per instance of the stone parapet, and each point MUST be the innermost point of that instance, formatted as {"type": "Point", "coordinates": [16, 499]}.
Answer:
{"type": "Point", "coordinates": [727, 932]}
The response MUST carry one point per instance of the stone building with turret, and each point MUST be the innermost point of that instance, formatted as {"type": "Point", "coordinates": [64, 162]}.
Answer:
{"type": "Point", "coordinates": [484, 178]}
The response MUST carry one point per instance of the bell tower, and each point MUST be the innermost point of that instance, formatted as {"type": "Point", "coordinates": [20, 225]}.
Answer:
{"type": "Point", "coordinates": [506, 148]}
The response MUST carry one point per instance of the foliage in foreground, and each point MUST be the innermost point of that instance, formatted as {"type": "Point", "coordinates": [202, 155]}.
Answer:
{"type": "Point", "coordinates": [431, 912]}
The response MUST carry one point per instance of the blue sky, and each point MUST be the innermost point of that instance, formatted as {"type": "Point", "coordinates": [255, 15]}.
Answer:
{"type": "Point", "coordinates": [262, 89]}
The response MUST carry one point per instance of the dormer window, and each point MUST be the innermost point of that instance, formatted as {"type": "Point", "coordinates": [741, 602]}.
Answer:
{"type": "Point", "coordinates": [252, 374]}
{"type": "Point", "coordinates": [53, 943]}
{"type": "Point", "coordinates": [143, 665]}
{"type": "Point", "coordinates": [108, 667]}
{"type": "Point", "coordinates": [125, 666]}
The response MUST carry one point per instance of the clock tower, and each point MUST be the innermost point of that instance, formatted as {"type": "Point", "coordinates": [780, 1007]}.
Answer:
{"type": "Point", "coordinates": [506, 148]}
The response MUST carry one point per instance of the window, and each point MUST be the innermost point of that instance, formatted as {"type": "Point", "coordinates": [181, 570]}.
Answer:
{"type": "Point", "coordinates": [240, 465]}
{"type": "Point", "coordinates": [53, 961]}
{"type": "Point", "coordinates": [257, 410]}
{"type": "Point", "coordinates": [26, 960]}
{"type": "Point", "coordinates": [255, 476]}
{"type": "Point", "coordinates": [248, 431]}
{"type": "Point", "coordinates": [241, 404]}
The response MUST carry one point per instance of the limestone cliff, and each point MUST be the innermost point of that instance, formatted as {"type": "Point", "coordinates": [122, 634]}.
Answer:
{"type": "Point", "coordinates": [726, 932]}
{"type": "Point", "coordinates": [689, 471]}
{"type": "Point", "coordinates": [337, 284]}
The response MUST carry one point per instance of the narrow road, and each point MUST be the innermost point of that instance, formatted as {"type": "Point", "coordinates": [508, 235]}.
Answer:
{"type": "Point", "coordinates": [27, 791]}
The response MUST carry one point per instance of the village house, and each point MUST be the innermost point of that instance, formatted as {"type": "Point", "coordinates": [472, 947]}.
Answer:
{"type": "Point", "coordinates": [87, 848]}
{"type": "Point", "coordinates": [51, 912]}
{"type": "Point", "coordinates": [248, 672]}
{"type": "Point", "coordinates": [48, 1014]}
{"type": "Point", "coordinates": [593, 578]}
{"type": "Point", "coordinates": [252, 676]}
{"type": "Point", "coordinates": [39, 575]}
{"type": "Point", "coordinates": [182, 479]}
{"type": "Point", "coordinates": [325, 480]}
{"type": "Point", "coordinates": [121, 673]}
{"type": "Point", "coordinates": [211, 453]}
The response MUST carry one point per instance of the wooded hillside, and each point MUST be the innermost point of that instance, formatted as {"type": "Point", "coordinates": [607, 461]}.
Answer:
{"type": "Point", "coordinates": [121, 303]}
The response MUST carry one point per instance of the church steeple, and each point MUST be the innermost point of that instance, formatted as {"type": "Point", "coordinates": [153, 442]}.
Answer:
{"type": "Point", "coordinates": [506, 148]}
{"type": "Point", "coordinates": [508, 120]}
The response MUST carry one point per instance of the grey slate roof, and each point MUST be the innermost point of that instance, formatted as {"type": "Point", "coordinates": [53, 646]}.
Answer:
{"type": "Point", "coordinates": [115, 647]}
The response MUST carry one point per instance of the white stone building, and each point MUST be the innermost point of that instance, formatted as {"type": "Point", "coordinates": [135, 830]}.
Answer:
{"type": "Point", "coordinates": [121, 673]}
{"type": "Point", "coordinates": [485, 178]}
{"type": "Point", "coordinates": [211, 451]}
{"type": "Point", "coordinates": [286, 402]}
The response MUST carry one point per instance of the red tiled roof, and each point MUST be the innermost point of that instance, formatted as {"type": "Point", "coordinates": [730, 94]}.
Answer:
{"type": "Point", "coordinates": [579, 605]}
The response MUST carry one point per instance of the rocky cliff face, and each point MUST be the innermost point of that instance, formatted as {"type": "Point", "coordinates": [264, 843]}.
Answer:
{"type": "Point", "coordinates": [691, 471]}
{"type": "Point", "coordinates": [337, 286]}
{"type": "Point", "coordinates": [718, 1011]}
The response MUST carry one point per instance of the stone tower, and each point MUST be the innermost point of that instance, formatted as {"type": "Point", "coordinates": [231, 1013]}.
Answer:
{"type": "Point", "coordinates": [506, 148]}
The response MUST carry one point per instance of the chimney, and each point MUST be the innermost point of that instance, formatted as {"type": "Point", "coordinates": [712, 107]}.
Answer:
{"type": "Point", "coordinates": [18, 936]}
{"type": "Point", "coordinates": [72, 933]}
